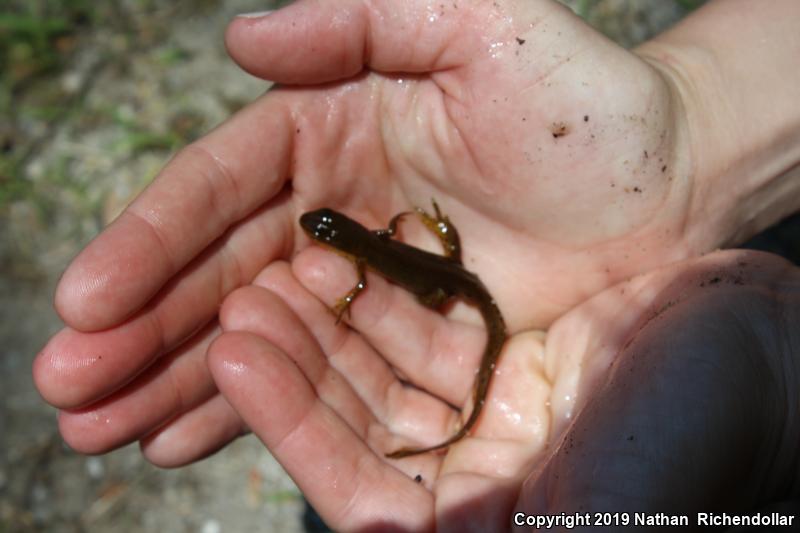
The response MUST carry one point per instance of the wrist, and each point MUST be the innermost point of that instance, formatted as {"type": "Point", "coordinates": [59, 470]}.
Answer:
{"type": "Point", "coordinates": [741, 127]}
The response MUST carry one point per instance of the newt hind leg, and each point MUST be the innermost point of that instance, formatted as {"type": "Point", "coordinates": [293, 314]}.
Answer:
{"type": "Point", "coordinates": [435, 299]}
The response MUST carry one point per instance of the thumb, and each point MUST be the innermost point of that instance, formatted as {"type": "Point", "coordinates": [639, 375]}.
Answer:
{"type": "Point", "coordinates": [315, 41]}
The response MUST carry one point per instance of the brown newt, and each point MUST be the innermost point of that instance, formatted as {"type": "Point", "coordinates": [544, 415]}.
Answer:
{"type": "Point", "coordinates": [432, 278]}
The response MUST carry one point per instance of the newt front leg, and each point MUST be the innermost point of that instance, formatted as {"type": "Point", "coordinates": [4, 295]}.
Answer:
{"type": "Point", "coordinates": [343, 304]}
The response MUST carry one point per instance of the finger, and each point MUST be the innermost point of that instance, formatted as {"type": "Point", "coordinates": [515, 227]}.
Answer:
{"type": "Point", "coordinates": [405, 410]}
{"type": "Point", "coordinates": [438, 355]}
{"type": "Point", "coordinates": [315, 42]}
{"type": "Point", "coordinates": [259, 311]}
{"type": "Point", "coordinates": [338, 473]}
{"type": "Point", "coordinates": [76, 368]}
{"type": "Point", "coordinates": [207, 187]}
{"type": "Point", "coordinates": [194, 434]}
{"type": "Point", "coordinates": [176, 384]}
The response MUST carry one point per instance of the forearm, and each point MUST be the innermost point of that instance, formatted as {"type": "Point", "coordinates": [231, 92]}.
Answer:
{"type": "Point", "coordinates": [735, 65]}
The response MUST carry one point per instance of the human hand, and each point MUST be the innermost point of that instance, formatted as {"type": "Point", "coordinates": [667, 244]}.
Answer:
{"type": "Point", "coordinates": [558, 153]}
{"type": "Point", "coordinates": [668, 393]}
{"type": "Point", "coordinates": [692, 395]}
{"type": "Point", "coordinates": [496, 114]}
{"type": "Point", "coordinates": [145, 293]}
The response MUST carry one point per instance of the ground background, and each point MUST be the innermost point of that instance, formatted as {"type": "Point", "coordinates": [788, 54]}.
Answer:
{"type": "Point", "coordinates": [94, 98]}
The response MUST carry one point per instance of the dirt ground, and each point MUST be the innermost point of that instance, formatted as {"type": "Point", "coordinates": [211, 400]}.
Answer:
{"type": "Point", "coordinates": [136, 81]}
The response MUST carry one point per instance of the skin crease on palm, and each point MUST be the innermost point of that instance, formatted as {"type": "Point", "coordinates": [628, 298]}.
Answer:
{"type": "Point", "coordinates": [562, 159]}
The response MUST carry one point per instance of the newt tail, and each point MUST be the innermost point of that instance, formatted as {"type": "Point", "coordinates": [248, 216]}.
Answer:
{"type": "Point", "coordinates": [496, 338]}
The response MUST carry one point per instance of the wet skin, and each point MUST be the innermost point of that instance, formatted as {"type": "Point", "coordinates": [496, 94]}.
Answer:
{"type": "Point", "coordinates": [432, 278]}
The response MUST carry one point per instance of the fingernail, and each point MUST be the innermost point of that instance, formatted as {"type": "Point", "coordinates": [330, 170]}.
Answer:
{"type": "Point", "coordinates": [255, 14]}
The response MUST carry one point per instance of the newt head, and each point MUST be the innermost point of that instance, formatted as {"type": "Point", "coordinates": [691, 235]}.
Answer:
{"type": "Point", "coordinates": [334, 229]}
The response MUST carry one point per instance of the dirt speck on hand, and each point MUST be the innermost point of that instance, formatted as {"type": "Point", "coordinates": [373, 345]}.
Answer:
{"type": "Point", "coordinates": [559, 129]}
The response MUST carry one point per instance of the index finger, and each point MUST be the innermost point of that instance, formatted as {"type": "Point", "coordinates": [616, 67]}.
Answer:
{"type": "Point", "coordinates": [209, 185]}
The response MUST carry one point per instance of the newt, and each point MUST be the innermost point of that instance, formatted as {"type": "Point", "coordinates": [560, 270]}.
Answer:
{"type": "Point", "coordinates": [432, 278]}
